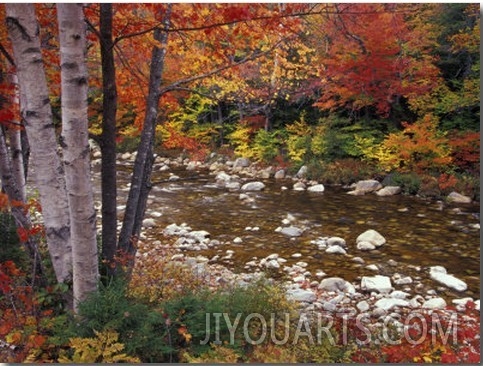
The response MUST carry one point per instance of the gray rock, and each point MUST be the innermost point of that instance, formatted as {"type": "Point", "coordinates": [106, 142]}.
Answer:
{"type": "Point", "coordinates": [264, 174]}
{"type": "Point", "coordinates": [272, 264]}
{"type": "Point", "coordinates": [363, 306]}
{"type": "Point", "coordinates": [149, 223]}
{"type": "Point", "coordinates": [336, 284]}
{"type": "Point", "coordinates": [335, 249]}
{"type": "Point", "coordinates": [328, 306]}
{"type": "Point", "coordinates": [376, 283]}
{"type": "Point", "coordinates": [302, 172]}
{"type": "Point", "coordinates": [299, 186]}
{"type": "Point", "coordinates": [439, 274]}
{"type": "Point", "coordinates": [373, 237]}
{"type": "Point", "coordinates": [389, 191]}
{"type": "Point", "coordinates": [253, 186]}
{"type": "Point", "coordinates": [199, 235]}
{"type": "Point", "coordinates": [403, 281]}
{"type": "Point", "coordinates": [235, 186]}
{"type": "Point", "coordinates": [272, 256]}
{"type": "Point", "coordinates": [223, 177]}
{"type": "Point", "coordinates": [335, 240]}
{"type": "Point", "coordinates": [399, 294]}
{"type": "Point", "coordinates": [389, 303]}
{"type": "Point", "coordinates": [292, 231]}
{"type": "Point", "coordinates": [279, 174]}
{"type": "Point", "coordinates": [191, 165]}
{"type": "Point", "coordinates": [369, 185]}
{"type": "Point", "coordinates": [365, 246]}
{"type": "Point", "coordinates": [241, 163]}
{"type": "Point", "coordinates": [437, 303]}
{"type": "Point", "coordinates": [318, 188]}
{"type": "Point", "coordinates": [301, 295]}
{"type": "Point", "coordinates": [458, 198]}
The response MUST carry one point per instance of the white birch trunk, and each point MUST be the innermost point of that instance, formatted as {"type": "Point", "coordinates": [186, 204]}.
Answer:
{"type": "Point", "coordinates": [16, 147]}
{"type": "Point", "coordinates": [23, 31]}
{"type": "Point", "coordinates": [76, 149]}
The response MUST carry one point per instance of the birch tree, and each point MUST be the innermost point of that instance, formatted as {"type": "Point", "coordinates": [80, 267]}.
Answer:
{"type": "Point", "coordinates": [23, 30]}
{"type": "Point", "coordinates": [75, 144]}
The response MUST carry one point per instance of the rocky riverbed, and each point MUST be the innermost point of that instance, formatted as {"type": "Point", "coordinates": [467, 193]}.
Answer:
{"type": "Point", "coordinates": [235, 221]}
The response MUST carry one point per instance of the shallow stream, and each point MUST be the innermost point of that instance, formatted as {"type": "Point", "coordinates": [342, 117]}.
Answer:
{"type": "Point", "coordinates": [420, 233]}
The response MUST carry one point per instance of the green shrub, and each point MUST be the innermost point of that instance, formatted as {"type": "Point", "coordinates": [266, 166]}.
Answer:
{"type": "Point", "coordinates": [141, 329]}
{"type": "Point", "coordinates": [410, 183]}
{"type": "Point", "coordinates": [191, 312]}
{"type": "Point", "coordinates": [266, 145]}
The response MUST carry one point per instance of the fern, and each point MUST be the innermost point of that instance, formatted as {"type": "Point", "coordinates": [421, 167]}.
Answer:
{"type": "Point", "coordinates": [103, 348]}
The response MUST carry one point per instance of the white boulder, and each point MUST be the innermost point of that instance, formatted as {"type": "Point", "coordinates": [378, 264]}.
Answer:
{"type": "Point", "coordinates": [439, 274]}
{"type": "Point", "coordinates": [376, 283]}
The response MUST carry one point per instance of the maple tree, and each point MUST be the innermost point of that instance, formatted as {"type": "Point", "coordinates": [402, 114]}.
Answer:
{"type": "Point", "coordinates": [374, 58]}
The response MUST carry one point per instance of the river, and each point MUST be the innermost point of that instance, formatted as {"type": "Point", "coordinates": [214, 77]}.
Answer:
{"type": "Point", "coordinates": [419, 232]}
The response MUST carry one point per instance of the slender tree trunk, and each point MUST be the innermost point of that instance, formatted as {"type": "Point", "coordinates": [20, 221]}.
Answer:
{"type": "Point", "coordinates": [23, 31]}
{"type": "Point", "coordinates": [141, 179]}
{"type": "Point", "coordinates": [11, 188]}
{"type": "Point", "coordinates": [108, 142]}
{"type": "Point", "coordinates": [75, 144]}
{"type": "Point", "coordinates": [17, 161]}
{"type": "Point", "coordinates": [14, 136]}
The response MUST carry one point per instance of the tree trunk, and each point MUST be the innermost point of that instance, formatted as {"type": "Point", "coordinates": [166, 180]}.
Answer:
{"type": "Point", "coordinates": [141, 179]}
{"type": "Point", "coordinates": [23, 31]}
{"type": "Point", "coordinates": [14, 136]}
{"type": "Point", "coordinates": [17, 161]}
{"type": "Point", "coordinates": [108, 142]}
{"type": "Point", "coordinates": [75, 144]}
{"type": "Point", "coordinates": [10, 186]}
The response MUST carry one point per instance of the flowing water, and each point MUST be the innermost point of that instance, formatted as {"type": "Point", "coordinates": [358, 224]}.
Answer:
{"type": "Point", "coordinates": [419, 233]}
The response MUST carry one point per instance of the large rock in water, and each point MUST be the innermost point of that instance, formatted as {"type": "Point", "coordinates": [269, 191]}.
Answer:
{"type": "Point", "coordinates": [458, 198]}
{"type": "Point", "coordinates": [373, 237]}
{"type": "Point", "coordinates": [439, 274]}
{"type": "Point", "coordinates": [291, 231]}
{"type": "Point", "coordinates": [366, 186]}
{"type": "Point", "coordinates": [319, 188]}
{"type": "Point", "coordinates": [253, 186]}
{"type": "Point", "coordinates": [389, 191]}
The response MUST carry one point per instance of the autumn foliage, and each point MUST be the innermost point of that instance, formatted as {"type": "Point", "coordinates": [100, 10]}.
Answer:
{"type": "Point", "coordinates": [351, 90]}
